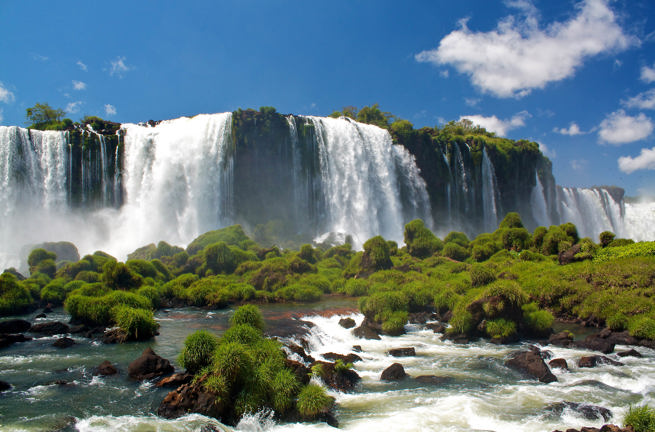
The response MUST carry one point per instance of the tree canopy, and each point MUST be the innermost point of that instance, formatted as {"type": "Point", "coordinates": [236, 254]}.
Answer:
{"type": "Point", "coordinates": [43, 116]}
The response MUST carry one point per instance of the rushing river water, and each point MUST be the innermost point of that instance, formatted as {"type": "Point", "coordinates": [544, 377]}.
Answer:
{"type": "Point", "coordinates": [479, 393]}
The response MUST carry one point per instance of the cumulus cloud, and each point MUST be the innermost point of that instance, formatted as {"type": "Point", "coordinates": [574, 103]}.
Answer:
{"type": "Point", "coordinates": [79, 85]}
{"type": "Point", "coordinates": [81, 65]}
{"type": "Point", "coordinates": [619, 128]}
{"type": "Point", "coordinates": [572, 130]}
{"type": "Point", "coordinates": [644, 100]}
{"type": "Point", "coordinates": [645, 160]}
{"type": "Point", "coordinates": [519, 56]}
{"type": "Point", "coordinates": [73, 107]}
{"type": "Point", "coordinates": [118, 67]}
{"type": "Point", "coordinates": [110, 109]}
{"type": "Point", "coordinates": [5, 95]}
{"type": "Point", "coordinates": [547, 151]}
{"type": "Point", "coordinates": [648, 74]}
{"type": "Point", "coordinates": [494, 124]}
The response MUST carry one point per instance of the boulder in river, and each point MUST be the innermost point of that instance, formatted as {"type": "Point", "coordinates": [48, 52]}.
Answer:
{"type": "Point", "coordinates": [8, 339]}
{"type": "Point", "coordinates": [347, 323]}
{"type": "Point", "coordinates": [105, 368]}
{"type": "Point", "coordinates": [175, 380]}
{"type": "Point", "coordinates": [4, 386]}
{"type": "Point", "coordinates": [149, 366]}
{"type": "Point", "coordinates": [531, 363]}
{"type": "Point", "coordinates": [50, 328]}
{"type": "Point", "coordinates": [338, 378]}
{"type": "Point", "coordinates": [595, 360]}
{"type": "Point", "coordinates": [433, 380]}
{"type": "Point", "coordinates": [395, 372]}
{"type": "Point", "coordinates": [64, 342]}
{"type": "Point", "coordinates": [402, 352]}
{"type": "Point", "coordinates": [191, 398]}
{"type": "Point", "coordinates": [346, 358]}
{"type": "Point", "coordinates": [559, 363]}
{"type": "Point", "coordinates": [367, 331]}
{"type": "Point", "coordinates": [14, 326]}
{"type": "Point", "coordinates": [590, 412]}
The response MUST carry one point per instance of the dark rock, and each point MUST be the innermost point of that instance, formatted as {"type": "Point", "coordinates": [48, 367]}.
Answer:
{"type": "Point", "coordinates": [341, 380]}
{"type": "Point", "coordinates": [402, 352]}
{"type": "Point", "coordinates": [347, 323]}
{"type": "Point", "coordinates": [367, 331]}
{"type": "Point", "coordinates": [419, 317]}
{"type": "Point", "coordinates": [615, 428]}
{"type": "Point", "coordinates": [630, 353]}
{"type": "Point", "coordinates": [14, 326]}
{"type": "Point", "coordinates": [301, 371]}
{"type": "Point", "coordinates": [48, 308]}
{"type": "Point", "coordinates": [105, 368]}
{"type": "Point", "coordinates": [569, 255]}
{"type": "Point", "coordinates": [41, 315]}
{"type": "Point", "coordinates": [78, 328]}
{"type": "Point", "coordinates": [300, 351]}
{"type": "Point", "coordinates": [561, 339]}
{"type": "Point", "coordinates": [63, 383]}
{"type": "Point", "coordinates": [590, 412]}
{"type": "Point", "coordinates": [596, 343]}
{"type": "Point", "coordinates": [544, 354]}
{"type": "Point", "coordinates": [64, 342]}
{"type": "Point", "coordinates": [433, 380]}
{"type": "Point", "coordinates": [191, 398]}
{"type": "Point", "coordinates": [559, 363]}
{"type": "Point", "coordinates": [395, 372]}
{"type": "Point", "coordinates": [8, 339]}
{"type": "Point", "coordinates": [113, 336]}
{"type": "Point", "coordinates": [436, 327]}
{"type": "Point", "coordinates": [531, 363]}
{"type": "Point", "coordinates": [50, 328]}
{"type": "Point", "coordinates": [175, 380]}
{"type": "Point", "coordinates": [458, 338]}
{"type": "Point", "coordinates": [149, 366]}
{"type": "Point", "coordinates": [595, 360]}
{"type": "Point", "coordinates": [4, 386]}
{"type": "Point", "coordinates": [347, 358]}
{"type": "Point", "coordinates": [357, 348]}
{"type": "Point", "coordinates": [623, 338]}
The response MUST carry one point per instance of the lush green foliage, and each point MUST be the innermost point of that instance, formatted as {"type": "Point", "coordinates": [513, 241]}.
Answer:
{"type": "Point", "coordinates": [313, 401]}
{"type": "Point", "coordinates": [640, 418]}
{"type": "Point", "coordinates": [420, 241]}
{"type": "Point", "coordinates": [138, 324]}
{"type": "Point", "coordinates": [641, 249]}
{"type": "Point", "coordinates": [14, 296]}
{"type": "Point", "coordinates": [43, 116]}
{"type": "Point", "coordinates": [249, 315]}
{"type": "Point", "coordinates": [198, 351]}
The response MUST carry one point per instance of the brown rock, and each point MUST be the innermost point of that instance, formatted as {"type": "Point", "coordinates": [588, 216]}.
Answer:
{"type": "Point", "coordinates": [149, 366]}
{"type": "Point", "coordinates": [14, 326]}
{"type": "Point", "coordinates": [630, 353]}
{"type": "Point", "coordinates": [395, 372]}
{"type": "Point", "coordinates": [561, 339]}
{"type": "Point", "coordinates": [105, 369]}
{"type": "Point", "coordinates": [436, 327]}
{"type": "Point", "coordinates": [595, 360]}
{"type": "Point", "coordinates": [559, 363]}
{"type": "Point", "coordinates": [342, 379]}
{"type": "Point", "coordinates": [402, 352]}
{"type": "Point", "coordinates": [8, 339]}
{"type": "Point", "coordinates": [347, 323]}
{"type": "Point", "coordinates": [531, 363]}
{"type": "Point", "coordinates": [301, 371]}
{"type": "Point", "coordinates": [346, 358]}
{"type": "Point", "coordinates": [50, 328]}
{"type": "Point", "coordinates": [175, 380]}
{"type": "Point", "coordinates": [432, 380]}
{"type": "Point", "coordinates": [366, 331]}
{"type": "Point", "coordinates": [191, 398]}
{"type": "Point", "coordinates": [64, 342]}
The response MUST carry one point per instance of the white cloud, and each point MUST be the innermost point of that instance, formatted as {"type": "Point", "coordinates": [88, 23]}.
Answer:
{"type": "Point", "coordinates": [648, 74]}
{"type": "Point", "coordinates": [110, 109]}
{"type": "Point", "coordinates": [39, 57]}
{"type": "Point", "coordinates": [579, 164]}
{"type": "Point", "coordinates": [81, 65]}
{"type": "Point", "coordinates": [444, 73]}
{"type": "Point", "coordinates": [572, 130]}
{"type": "Point", "coordinates": [79, 85]}
{"type": "Point", "coordinates": [118, 67]}
{"type": "Point", "coordinates": [518, 56]}
{"type": "Point", "coordinates": [644, 100]}
{"type": "Point", "coordinates": [472, 102]}
{"type": "Point", "coordinates": [494, 124]}
{"type": "Point", "coordinates": [73, 107]}
{"type": "Point", "coordinates": [547, 151]}
{"type": "Point", "coordinates": [5, 95]}
{"type": "Point", "coordinates": [619, 128]}
{"type": "Point", "coordinates": [645, 160]}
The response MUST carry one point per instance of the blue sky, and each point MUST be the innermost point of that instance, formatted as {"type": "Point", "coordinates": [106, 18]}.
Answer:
{"type": "Point", "coordinates": [576, 76]}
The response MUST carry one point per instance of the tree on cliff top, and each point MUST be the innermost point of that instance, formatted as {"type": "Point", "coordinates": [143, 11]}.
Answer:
{"type": "Point", "coordinates": [42, 115]}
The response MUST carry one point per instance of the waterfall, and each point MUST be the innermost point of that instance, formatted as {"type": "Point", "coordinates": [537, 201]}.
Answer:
{"type": "Point", "coordinates": [362, 174]}
{"type": "Point", "coordinates": [592, 210]}
{"type": "Point", "coordinates": [489, 194]}
{"type": "Point", "coordinates": [538, 203]}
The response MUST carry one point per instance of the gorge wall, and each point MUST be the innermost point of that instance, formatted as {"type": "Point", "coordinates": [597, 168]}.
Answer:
{"type": "Point", "coordinates": [295, 178]}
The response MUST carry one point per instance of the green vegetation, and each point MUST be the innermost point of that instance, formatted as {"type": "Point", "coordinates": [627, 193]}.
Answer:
{"type": "Point", "coordinates": [640, 418]}
{"type": "Point", "coordinates": [198, 350]}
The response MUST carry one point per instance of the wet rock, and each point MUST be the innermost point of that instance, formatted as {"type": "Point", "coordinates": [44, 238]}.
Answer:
{"type": "Point", "coordinates": [63, 383]}
{"type": "Point", "coordinates": [458, 338]}
{"type": "Point", "coordinates": [338, 379]}
{"type": "Point", "coordinates": [347, 323]}
{"type": "Point", "coordinates": [559, 363]}
{"type": "Point", "coordinates": [623, 338]}
{"type": "Point", "coordinates": [402, 352]}
{"type": "Point", "coordinates": [300, 351]}
{"type": "Point", "coordinates": [347, 358]}
{"type": "Point", "coordinates": [595, 360]}
{"type": "Point", "coordinates": [4, 386]}
{"type": "Point", "coordinates": [562, 339]}
{"type": "Point", "coordinates": [77, 328]}
{"type": "Point", "coordinates": [64, 342]}
{"type": "Point", "coordinates": [105, 369]}
{"type": "Point", "coordinates": [597, 342]}
{"type": "Point", "coordinates": [115, 335]}
{"type": "Point", "coordinates": [175, 380]}
{"type": "Point", "coordinates": [531, 363]}
{"type": "Point", "coordinates": [436, 327]}
{"type": "Point", "coordinates": [605, 428]}
{"type": "Point", "coordinates": [590, 412]}
{"type": "Point", "coordinates": [9, 339]}
{"type": "Point", "coordinates": [419, 317]}
{"type": "Point", "coordinates": [395, 372]}
{"type": "Point", "coordinates": [367, 331]}
{"type": "Point", "coordinates": [357, 348]}
{"type": "Point", "coordinates": [149, 366]}
{"type": "Point", "coordinates": [41, 315]}
{"type": "Point", "coordinates": [48, 308]}
{"type": "Point", "coordinates": [301, 371]}
{"type": "Point", "coordinates": [629, 353]}
{"type": "Point", "coordinates": [50, 328]}
{"type": "Point", "coordinates": [433, 380]}
{"type": "Point", "coordinates": [191, 398]}
{"type": "Point", "coordinates": [14, 326]}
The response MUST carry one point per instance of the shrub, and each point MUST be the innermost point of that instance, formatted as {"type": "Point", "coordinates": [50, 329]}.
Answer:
{"type": "Point", "coordinates": [420, 241]}
{"type": "Point", "coordinates": [36, 256]}
{"type": "Point", "coordinates": [538, 236]}
{"type": "Point", "coordinates": [248, 314]}
{"type": "Point", "coordinates": [538, 321]}
{"type": "Point", "coordinates": [285, 387]}
{"type": "Point", "coordinates": [642, 327]}
{"type": "Point", "coordinates": [14, 296]}
{"type": "Point", "coordinates": [553, 240]}
{"type": "Point", "coordinates": [55, 292]}
{"type": "Point", "coordinates": [462, 320]}
{"type": "Point", "coordinates": [88, 276]}
{"type": "Point", "coordinates": [376, 255]}
{"type": "Point", "coordinates": [355, 287]}
{"type": "Point", "coordinates": [143, 268]}
{"type": "Point", "coordinates": [46, 266]}
{"type": "Point", "coordinates": [313, 400]}
{"type": "Point", "coordinates": [242, 333]}
{"type": "Point", "coordinates": [458, 238]}
{"type": "Point", "coordinates": [641, 418]}
{"type": "Point", "coordinates": [617, 322]}
{"type": "Point", "coordinates": [139, 324]}
{"type": "Point", "coordinates": [515, 238]}
{"type": "Point", "coordinates": [198, 351]}
{"type": "Point", "coordinates": [455, 251]}
{"type": "Point", "coordinates": [308, 253]}
{"type": "Point", "coordinates": [380, 305]}
{"type": "Point", "coordinates": [119, 276]}
{"type": "Point", "coordinates": [606, 238]}
{"type": "Point", "coordinates": [481, 275]}
{"type": "Point", "coordinates": [394, 325]}
{"type": "Point", "coordinates": [511, 220]}
{"type": "Point", "coordinates": [445, 300]}
{"type": "Point", "coordinates": [500, 328]}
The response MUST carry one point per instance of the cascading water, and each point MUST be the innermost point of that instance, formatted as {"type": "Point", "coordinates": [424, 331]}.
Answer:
{"type": "Point", "coordinates": [361, 176]}
{"type": "Point", "coordinates": [489, 194]}
{"type": "Point", "coordinates": [592, 210]}
{"type": "Point", "coordinates": [538, 203]}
